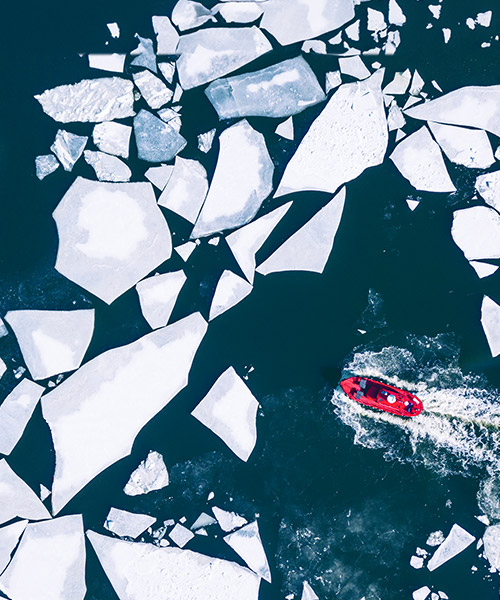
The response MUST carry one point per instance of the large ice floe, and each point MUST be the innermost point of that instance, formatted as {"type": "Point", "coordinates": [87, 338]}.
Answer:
{"type": "Point", "coordinates": [211, 53]}
{"type": "Point", "coordinates": [230, 411]}
{"type": "Point", "coordinates": [280, 90]}
{"type": "Point", "coordinates": [186, 189]}
{"type": "Point", "coordinates": [476, 231]}
{"type": "Point", "coordinates": [491, 541]}
{"type": "Point", "coordinates": [49, 563]}
{"type": "Point", "coordinates": [95, 415]}
{"type": "Point", "coordinates": [242, 180]}
{"type": "Point", "coordinates": [488, 186]}
{"type": "Point", "coordinates": [90, 100]}
{"type": "Point", "coordinates": [111, 235]}
{"type": "Point", "coordinates": [247, 543]}
{"type": "Point", "coordinates": [9, 537]}
{"type": "Point", "coordinates": [138, 571]}
{"type": "Point", "coordinates": [348, 136]}
{"type": "Point", "coordinates": [156, 140]}
{"type": "Point", "coordinates": [309, 248]}
{"type": "Point", "coordinates": [150, 475]}
{"type": "Point", "coordinates": [230, 290]}
{"type": "Point", "coordinates": [456, 541]}
{"type": "Point", "coordinates": [127, 524]}
{"type": "Point", "coordinates": [17, 499]}
{"type": "Point", "coordinates": [157, 296]}
{"type": "Point", "coordinates": [468, 147]}
{"type": "Point", "coordinates": [490, 320]}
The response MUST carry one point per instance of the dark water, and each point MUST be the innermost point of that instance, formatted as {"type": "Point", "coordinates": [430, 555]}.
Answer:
{"type": "Point", "coordinates": [344, 497]}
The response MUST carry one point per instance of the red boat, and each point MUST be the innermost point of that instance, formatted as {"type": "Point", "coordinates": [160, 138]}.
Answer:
{"type": "Point", "coordinates": [382, 396]}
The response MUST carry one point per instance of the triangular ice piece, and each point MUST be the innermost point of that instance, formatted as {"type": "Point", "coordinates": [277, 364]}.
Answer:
{"type": "Point", "coordinates": [483, 269]}
{"type": "Point", "coordinates": [490, 320]}
{"type": "Point", "coordinates": [159, 176]}
{"type": "Point", "coordinates": [285, 129]}
{"type": "Point", "coordinates": [107, 167]}
{"type": "Point", "coordinates": [167, 37]}
{"type": "Point", "coordinates": [17, 499]}
{"type": "Point", "coordinates": [9, 536]}
{"type": "Point", "coordinates": [476, 231]}
{"type": "Point", "coordinates": [157, 296]}
{"type": "Point", "coordinates": [468, 147]}
{"type": "Point", "coordinates": [228, 520]}
{"type": "Point", "coordinates": [247, 543]}
{"type": "Point", "coordinates": [457, 540]}
{"type": "Point", "coordinates": [127, 524]}
{"type": "Point", "coordinates": [488, 186]}
{"type": "Point", "coordinates": [308, 593]}
{"type": "Point", "coordinates": [230, 290]}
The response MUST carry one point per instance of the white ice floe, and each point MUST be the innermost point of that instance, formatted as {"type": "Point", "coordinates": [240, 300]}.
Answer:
{"type": "Point", "coordinates": [246, 543]}
{"type": "Point", "coordinates": [421, 593]}
{"type": "Point", "coordinates": [353, 31]}
{"type": "Point", "coordinates": [395, 118]}
{"type": "Point", "coordinates": [435, 10]}
{"type": "Point", "coordinates": [396, 15]}
{"type": "Point", "coordinates": [127, 524]}
{"type": "Point", "coordinates": [230, 290]}
{"type": "Point", "coordinates": [144, 54]}
{"type": "Point", "coordinates": [417, 84]}
{"type": "Point", "coordinates": [281, 90]}
{"type": "Point", "coordinates": [186, 189]}
{"type": "Point", "coordinates": [167, 69]}
{"type": "Point", "coordinates": [3, 367]}
{"type": "Point", "coordinates": [167, 37]}
{"type": "Point", "coordinates": [111, 235]}
{"type": "Point", "coordinates": [185, 250]}
{"type": "Point", "coordinates": [157, 296]}
{"type": "Point", "coordinates": [228, 521]}
{"type": "Point", "coordinates": [205, 141]}
{"type": "Point", "coordinates": [488, 186]}
{"type": "Point", "coordinates": [114, 30]}
{"type": "Point", "coordinates": [52, 341]}
{"type": "Point", "coordinates": [203, 520]}
{"type": "Point", "coordinates": [446, 34]}
{"type": "Point", "coordinates": [159, 176]}
{"type": "Point", "coordinates": [291, 21]}
{"type": "Point", "coordinates": [15, 412]}
{"type": "Point", "coordinates": [107, 167]}
{"type": "Point", "coordinates": [468, 147]}
{"type": "Point", "coordinates": [457, 540]}
{"type": "Point", "coordinates": [285, 129]}
{"type": "Point", "coordinates": [417, 562]}
{"type": "Point", "coordinates": [188, 14]}
{"type": "Point", "coordinates": [399, 84]}
{"type": "Point", "coordinates": [393, 42]}
{"type": "Point", "coordinates": [90, 100]}
{"type": "Point", "coordinates": [45, 165]}
{"type": "Point", "coordinates": [152, 89]}
{"type": "Point", "coordinates": [490, 320]}
{"type": "Point", "coordinates": [49, 562]}
{"type": "Point", "coordinates": [150, 475]}
{"type": "Point", "coordinates": [476, 231]}
{"type": "Point", "coordinates": [107, 62]}
{"type": "Point", "coordinates": [113, 138]}
{"type": "Point", "coordinates": [473, 106]}
{"type": "Point", "coordinates": [180, 535]}
{"type": "Point", "coordinates": [138, 571]}
{"type": "Point", "coordinates": [68, 148]}
{"type": "Point", "coordinates": [17, 499]}
{"type": "Point", "coordinates": [309, 248]}
{"type": "Point", "coordinates": [172, 117]}
{"type": "Point", "coordinates": [44, 492]}
{"type": "Point", "coordinates": [483, 269]}
{"type": "Point", "coordinates": [419, 159]}
{"type": "Point", "coordinates": [332, 80]}
{"type": "Point", "coordinates": [491, 541]}
{"type": "Point", "coordinates": [348, 136]}
{"type": "Point", "coordinates": [484, 19]}
{"type": "Point", "coordinates": [9, 537]}
{"type": "Point", "coordinates": [95, 414]}
{"type": "Point", "coordinates": [376, 20]}
{"type": "Point", "coordinates": [239, 12]}
{"type": "Point", "coordinates": [156, 140]}
{"type": "Point", "coordinates": [241, 182]}
{"type": "Point", "coordinates": [308, 593]}
{"type": "Point", "coordinates": [211, 53]}
{"type": "Point", "coordinates": [353, 66]}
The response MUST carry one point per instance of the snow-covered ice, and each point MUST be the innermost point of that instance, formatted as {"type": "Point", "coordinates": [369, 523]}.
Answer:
{"type": "Point", "coordinates": [309, 248]}
{"type": "Point", "coordinates": [112, 138]}
{"type": "Point", "coordinates": [17, 499]}
{"type": "Point", "coordinates": [376, 20]}
{"type": "Point", "coordinates": [230, 290]}
{"type": "Point", "coordinates": [395, 118]}
{"type": "Point", "coordinates": [417, 84]}
{"type": "Point", "coordinates": [241, 182]}
{"type": "Point", "coordinates": [491, 541]}
{"type": "Point", "coordinates": [185, 250]}
{"type": "Point", "coordinates": [490, 320]}
{"type": "Point", "coordinates": [436, 538]}
{"type": "Point", "coordinates": [45, 165]}
{"type": "Point", "coordinates": [167, 69]}
{"type": "Point", "coordinates": [280, 90]}
{"type": "Point", "coordinates": [9, 536]}
{"type": "Point", "coordinates": [285, 129]}
{"type": "Point", "coordinates": [332, 80]}
{"type": "Point", "coordinates": [180, 535]}
{"type": "Point", "coordinates": [399, 84]}
{"type": "Point", "coordinates": [456, 541]}
{"type": "Point", "coordinates": [44, 492]}
{"type": "Point", "coordinates": [172, 117]}
{"type": "Point", "coordinates": [396, 15]}
{"type": "Point", "coordinates": [156, 140]}
{"type": "Point", "coordinates": [203, 520]}
{"type": "Point", "coordinates": [95, 414]}
{"type": "Point", "coordinates": [228, 521]}
{"type": "Point", "coordinates": [239, 12]}
{"type": "Point", "coordinates": [111, 235]}
{"type": "Point", "coordinates": [167, 37]}
{"type": "Point", "coordinates": [150, 475]}
{"type": "Point", "coordinates": [488, 186]}
{"type": "Point", "coordinates": [107, 167]}
{"type": "Point", "coordinates": [468, 147]}
{"type": "Point", "coordinates": [417, 562]}
{"type": "Point", "coordinates": [144, 54]}
{"type": "Point", "coordinates": [159, 176]}
{"type": "Point", "coordinates": [152, 89]}
{"type": "Point", "coordinates": [157, 296]}
{"type": "Point", "coordinates": [127, 524]}
{"type": "Point", "coordinates": [68, 148]}
{"type": "Point", "coordinates": [230, 411]}
{"type": "Point", "coordinates": [247, 543]}
{"type": "Point", "coordinates": [114, 30]}
{"type": "Point", "coordinates": [107, 62]}
{"type": "Point", "coordinates": [188, 14]}
{"type": "Point", "coordinates": [353, 66]}
{"type": "Point", "coordinates": [484, 18]}
{"type": "Point", "coordinates": [205, 140]}
{"type": "Point", "coordinates": [308, 593]}
{"type": "Point", "coordinates": [476, 231]}
{"type": "Point", "coordinates": [186, 189]}
{"type": "Point", "coordinates": [421, 593]}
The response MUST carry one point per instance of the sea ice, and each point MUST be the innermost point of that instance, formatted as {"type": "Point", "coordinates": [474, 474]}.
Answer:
{"type": "Point", "coordinates": [446, 34]}
{"type": "Point", "coordinates": [159, 176]}
{"type": "Point", "coordinates": [399, 84]}
{"type": "Point", "coordinates": [185, 250]}
{"type": "Point", "coordinates": [239, 12]}
{"type": "Point", "coordinates": [417, 562]}
{"type": "Point", "coordinates": [138, 571]}
{"type": "Point", "coordinates": [15, 412]}
{"type": "Point", "coordinates": [241, 182]}
{"type": "Point", "coordinates": [488, 186]}
{"type": "Point", "coordinates": [211, 53]}
{"type": "Point", "coordinates": [172, 117]}
{"type": "Point", "coordinates": [188, 14]}
{"type": "Point", "coordinates": [49, 562]}
{"type": "Point", "coordinates": [17, 499]}
{"type": "Point", "coordinates": [157, 296]}
{"type": "Point", "coordinates": [468, 147]}
{"type": "Point", "coordinates": [90, 100]}
{"type": "Point", "coordinates": [421, 593]}
{"type": "Point", "coordinates": [186, 189]}
{"type": "Point", "coordinates": [205, 140]}
{"type": "Point", "coordinates": [152, 89]}
{"type": "Point", "coordinates": [246, 543]}
{"type": "Point", "coordinates": [332, 80]}
{"type": "Point", "coordinates": [352, 31]}
{"type": "Point", "coordinates": [107, 167]}
{"type": "Point", "coordinates": [490, 320]}
{"type": "Point", "coordinates": [167, 69]}
{"type": "Point", "coordinates": [111, 235]}
{"type": "Point", "coordinates": [395, 118]}
{"type": "Point", "coordinates": [107, 62]}
{"type": "Point", "coordinates": [419, 159]}
{"type": "Point", "coordinates": [308, 593]}
{"type": "Point", "coordinates": [144, 54]}
{"type": "Point", "coordinates": [156, 141]}
{"type": "Point", "coordinates": [113, 138]}
{"type": "Point", "coordinates": [457, 540]}
{"type": "Point", "coordinates": [353, 66]}
{"type": "Point", "coordinates": [436, 538]}
{"type": "Point", "coordinates": [484, 18]}
{"type": "Point", "coordinates": [376, 20]}
{"type": "Point", "coordinates": [228, 521]}
{"type": "Point", "coordinates": [68, 148]}
{"type": "Point", "coordinates": [95, 414]}
{"type": "Point", "coordinates": [308, 248]}
{"type": "Point", "coordinates": [417, 84]}
{"type": "Point", "coordinates": [167, 37]}
{"type": "Point", "coordinates": [476, 231]}
{"type": "Point", "coordinates": [150, 475]}
{"type": "Point", "coordinates": [230, 411]}
{"type": "Point", "coordinates": [45, 165]}
{"type": "Point", "coordinates": [180, 535]}
{"type": "Point", "coordinates": [435, 10]}
{"type": "Point", "coordinates": [230, 290]}
{"type": "Point", "coordinates": [44, 492]}
{"type": "Point", "coordinates": [203, 520]}
{"type": "Point", "coordinates": [281, 90]}
{"type": "Point", "coordinates": [127, 524]}
{"type": "Point", "coordinates": [491, 540]}
{"type": "Point", "coordinates": [114, 30]}
{"type": "Point", "coordinates": [9, 536]}
{"type": "Point", "coordinates": [396, 15]}
{"type": "Point", "coordinates": [285, 129]}
{"type": "Point", "coordinates": [348, 136]}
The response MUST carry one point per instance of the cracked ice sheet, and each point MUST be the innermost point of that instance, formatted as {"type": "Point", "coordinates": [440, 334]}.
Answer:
{"type": "Point", "coordinates": [167, 37]}
{"type": "Point", "coordinates": [241, 182]}
{"type": "Point", "coordinates": [308, 593]}
{"type": "Point", "coordinates": [156, 141]}
{"type": "Point", "coordinates": [107, 167]}
{"type": "Point", "coordinates": [211, 53]}
{"type": "Point", "coordinates": [49, 563]}
{"type": "Point", "coordinates": [95, 415]}
{"type": "Point", "coordinates": [111, 235]}
{"type": "Point", "coordinates": [52, 341]}
{"type": "Point", "coordinates": [280, 90]}
{"type": "Point", "coordinates": [419, 159]}
{"type": "Point", "coordinates": [490, 321]}
{"type": "Point", "coordinates": [45, 165]}
{"type": "Point", "coordinates": [231, 289]}
{"type": "Point", "coordinates": [188, 14]}
{"type": "Point", "coordinates": [90, 100]}
{"type": "Point", "coordinates": [246, 543]}
{"type": "Point", "coordinates": [348, 136]}
{"type": "Point", "coordinates": [138, 571]}
{"type": "Point", "coordinates": [157, 296]}
{"type": "Point", "coordinates": [457, 540]}
{"type": "Point", "coordinates": [68, 148]}
{"type": "Point", "coordinates": [150, 475]}
{"type": "Point", "coordinates": [152, 89]}
{"type": "Point", "coordinates": [127, 524]}
{"type": "Point", "coordinates": [468, 147]}
{"type": "Point", "coordinates": [9, 536]}
{"type": "Point", "coordinates": [488, 186]}
{"type": "Point", "coordinates": [476, 231]}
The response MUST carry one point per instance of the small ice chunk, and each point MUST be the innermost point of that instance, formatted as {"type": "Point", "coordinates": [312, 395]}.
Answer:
{"type": "Point", "coordinates": [17, 499]}
{"type": "Point", "coordinates": [488, 186]}
{"type": "Point", "coordinates": [490, 320]}
{"type": "Point", "coordinates": [205, 140]}
{"type": "Point", "coordinates": [352, 31]}
{"type": "Point", "coordinates": [3, 367]}
{"type": "Point", "coordinates": [376, 20]}
{"type": "Point", "coordinates": [491, 540]}
{"type": "Point", "coordinates": [412, 204]}
{"type": "Point", "coordinates": [421, 593]}
{"type": "Point", "coordinates": [241, 182]}
{"type": "Point", "coordinates": [157, 296]}
{"type": "Point", "coordinates": [15, 412]}
{"type": "Point", "coordinates": [393, 42]}
{"type": "Point", "coordinates": [144, 54]}
{"type": "Point", "coordinates": [308, 248]}
{"type": "Point", "coordinates": [114, 30]}
{"type": "Point", "coordinates": [112, 138]}
{"type": "Point", "coordinates": [468, 147]}
{"type": "Point", "coordinates": [185, 250]}
{"type": "Point", "coordinates": [203, 520]}
{"type": "Point", "coordinates": [285, 129]}
{"type": "Point", "coordinates": [246, 542]}
{"type": "Point", "coordinates": [127, 524]}
{"type": "Point", "coordinates": [167, 37]}
{"type": "Point", "coordinates": [446, 34]}
{"type": "Point", "coordinates": [68, 148]}
{"type": "Point", "coordinates": [476, 231]}
{"type": "Point", "coordinates": [90, 100]}
{"type": "Point", "coordinates": [107, 62]}
{"type": "Point", "coordinates": [231, 289]}
{"type": "Point", "coordinates": [457, 540]}
{"type": "Point", "coordinates": [152, 89]}
{"type": "Point", "coordinates": [317, 46]}
{"type": "Point", "coordinates": [332, 80]}
{"type": "Point", "coordinates": [45, 165]}
{"type": "Point", "coordinates": [230, 411]}
{"type": "Point", "coordinates": [159, 176]}
{"type": "Point", "coordinates": [399, 84]}
{"type": "Point", "coordinates": [186, 189]}
{"type": "Point", "coordinates": [188, 14]}
{"type": "Point", "coordinates": [395, 118]}
{"type": "Point", "coordinates": [336, 40]}
{"type": "Point", "coordinates": [167, 69]}
{"type": "Point", "coordinates": [417, 562]}
{"type": "Point", "coordinates": [156, 141]}
{"type": "Point", "coordinates": [418, 158]}
{"type": "Point", "coordinates": [353, 66]}
{"type": "Point", "coordinates": [107, 167]}
{"type": "Point", "coordinates": [180, 535]}
{"type": "Point", "coordinates": [471, 24]}
{"type": "Point", "coordinates": [150, 475]}
{"type": "Point", "coordinates": [417, 84]}
{"type": "Point", "coordinates": [483, 519]}
{"type": "Point", "coordinates": [484, 18]}
{"type": "Point", "coordinates": [172, 117]}
{"type": "Point", "coordinates": [308, 593]}
{"type": "Point", "coordinates": [9, 537]}
{"type": "Point", "coordinates": [396, 15]}
{"type": "Point", "coordinates": [281, 90]}
{"type": "Point", "coordinates": [228, 521]}
{"type": "Point", "coordinates": [239, 12]}
{"type": "Point", "coordinates": [435, 10]}
{"type": "Point", "coordinates": [44, 492]}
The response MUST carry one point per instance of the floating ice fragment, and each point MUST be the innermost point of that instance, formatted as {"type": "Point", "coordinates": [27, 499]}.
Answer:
{"type": "Point", "coordinates": [285, 129]}
{"type": "Point", "coordinates": [180, 535]}
{"type": "Point", "coordinates": [107, 167]}
{"type": "Point", "coordinates": [127, 524]}
{"type": "Point", "coordinates": [395, 118]}
{"type": "Point", "coordinates": [490, 320]}
{"type": "Point", "coordinates": [417, 562]}
{"type": "Point", "coordinates": [188, 14]}
{"type": "Point", "coordinates": [159, 176]}
{"type": "Point", "coordinates": [205, 141]}
{"type": "Point", "coordinates": [45, 165]}
{"type": "Point", "coordinates": [308, 248]}
{"type": "Point", "coordinates": [435, 10]}
{"type": "Point", "coordinates": [107, 62]}
{"type": "Point", "coordinates": [316, 46]}
{"type": "Point", "coordinates": [150, 475]}
{"type": "Point", "coordinates": [230, 411]}
{"type": "Point", "coordinates": [211, 53]}
{"type": "Point", "coordinates": [421, 593]}
{"type": "Point", "coordinates": [157, 296]}
{"type": "Point", "coordinates": [90, 100]}
{"type": "Point", "coordinates": [417, 83]}
{"type": "Point", "coordinates": [167, 69]}
{"type": "Point", "coordinates": [203, 520]}
{"type": "Point", "coordinates": [352, 31]}
{"type": "Point", "coordinates": [491, 540]}
{"type": "Point", "coordinates": [167, 37]}
{"type": "Point", "coordinates": [476, 231]}
{"type": "Point", "coordinates": [484, 18]}
{"type": "Point", "coordinates": [44, 492]}
{"type": "Point", "coordinates": [393, 41]}
{"type": "Point", "coordinates": [457, 540]}
{"type": "Point", "coordinates": [308, 593]}
{"type": "Point", "coordinates": [114, 30]}
{"type": "Point", "coordinates": [353, 66]}
{"type": "Point", "coordinates": [247, 543]}
{"type": "Point", "coordinates": [446, 34]}
{"type": "Point", "coordinates": [9, 536]}
{"type": "Point", "coordinates": [399, 84]}
{"type": "Point", "coordinates": [230, 290]}
{"type": "Point", "coordinates": [3, 367]}
{"type": "Point", "coordinates": [468, 147]}
{"type": "Point", "coordinates": [396, 15]}
{"type": "Point", "coordinates": [418, 158]}
{"type": "Point", "coordinates": [113, 392]}
{"type": "Point", "coordinates": [332, 80]}
{"type": "Point", "coordinates": [239, 12]}
{"type": "Point", "coordinates": [172, 117]}
{"type": "Point", "coordinates": [68, 148]}
{"type": "Point", "coordinates": [144, 54]}
{"type": "Point", "coordinates": [488, 186]}
{"type": "Point", "coordinates": [280, 90]}
{"type": "Point", "coordinates": [152, 89]}
{"type": "Point", "coordinates": [156, 141]}
{"type": "Point", "coordinates": [376, 20]}
{"type": "Point", "coordinates": [228, 521]}
{"type": "Point", "coordinates": [113, 138]}
{"type": "Point", "coordinates": [17, 499]}
{"type": "Point", "coordinates": [185, 250]}
{"type": "Point", "coordinates": [412, 204]}
{"type": "Point", "coordinates": [471, 24]}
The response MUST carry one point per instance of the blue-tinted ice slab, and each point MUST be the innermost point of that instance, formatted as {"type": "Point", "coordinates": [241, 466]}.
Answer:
{"type": "Point", "coordinates": [167, 37]}
{"type": "Point", "coordinates": [285, 129]}
{"type": "Point", "coordinates": [152, 89]}
{"type": "Point", "coordinates": [9, 537]}
{"type": "Point", "coordinates": [231, 289]}
{"type": "Point", "coordinates": [157, 296]}
{"type": "Point", "coordinates": [211, 53]}
{"type": "Point", "coordinates": [476, 231]}
{"type": "Point", "coordinates": [127, 524]}
{"type": "Point", "coordinates": [188, 14]}
{"type": "Point", "coordinates": [488, 186]}
{"type": "Point", "coordinates": [490, 321]}
{"type": "Point", "coordinates": [17, 499]}
{"type": "Point", "coordinates": [167, 69]}
{"type": "Point", "coordinates": [144, 54]}
{"type": "Point", "coordinates": [68, 148]}
{"type": "Point", "coordinates": [457, 540]}
{"type": "Point", "coordinates": [90, 100]}
{"type": "Point", "coordinates": [159, 176]}
{"type": "Point", "coordinates": [150, 475]}
{"type": "Point", "coordinates": [112, 138]}
{"type": "Point", "coordinates": [468, 147]}
{"type": "Point", "coordinates": [45, 165]}
{"type": "Point", "coordinates": [107, 167]}
{"type": "Point", "coordinates": [280, 90]}
{"type": "Point", "coordinates": [246, 542]}
{"type": "Point", "coordinates": [156, 141]}
{"type": "Point", "coordinates": [186, 189]}
{"type": "Point", "coordinates": [308, 593]}
{"type": "Point", "coordinates": [491, 541]}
